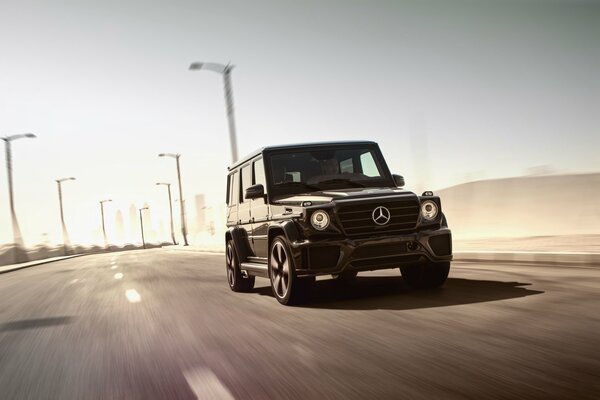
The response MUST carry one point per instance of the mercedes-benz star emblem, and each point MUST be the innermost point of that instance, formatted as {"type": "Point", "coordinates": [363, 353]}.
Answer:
{"type": "Point", "coordinates": [381, 215]}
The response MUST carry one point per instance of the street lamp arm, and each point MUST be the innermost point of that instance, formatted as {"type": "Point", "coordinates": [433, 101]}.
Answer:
{"type": "Point", "coordinates": [19, 136]}
{"type": "Point", "coordinates": [65, 179]}
{"type": "Point", "coordinates": [215, 67]}
{"type": "Point", "coordinates": [174, 155]}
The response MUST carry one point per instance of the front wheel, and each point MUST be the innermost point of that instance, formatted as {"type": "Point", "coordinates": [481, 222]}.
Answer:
{"type": "Point", "coordinates": [426, 276]}
{"type": "Point", "coordinates": [287, 288]}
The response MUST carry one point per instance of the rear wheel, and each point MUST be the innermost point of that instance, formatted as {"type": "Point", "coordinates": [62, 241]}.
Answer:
{"type": "Point", "coordinates": [287, 288]}
{"type": "Point", "coordinates": [236, 281]}
{"type": "Point", "coordinates": [426, 276]}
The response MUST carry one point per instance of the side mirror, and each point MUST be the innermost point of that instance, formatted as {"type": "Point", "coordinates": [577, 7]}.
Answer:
{"type": "Point", "coordinates": [399, 180]}
{"type": "Point", "coordinates": [255, 192]}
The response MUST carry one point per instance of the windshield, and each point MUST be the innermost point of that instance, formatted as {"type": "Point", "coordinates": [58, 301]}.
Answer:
{"type": "Point", "coordinates": [301, 171]}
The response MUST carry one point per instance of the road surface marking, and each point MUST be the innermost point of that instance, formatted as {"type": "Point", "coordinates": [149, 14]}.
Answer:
{"type": "Point", "coordinates": [118, 275]}
{"type": "Point", "coordinates": [74, 281]}
{"type": "Point", "coordinates": [114, 267]}
{"type": "Point", "coordinates": [205, 385]}
{"type": "Point", "coordinates": [133, 296]}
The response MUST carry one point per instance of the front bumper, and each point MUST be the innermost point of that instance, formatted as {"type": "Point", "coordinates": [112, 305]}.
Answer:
{"type": "Point", "coordinates": [334, 256]}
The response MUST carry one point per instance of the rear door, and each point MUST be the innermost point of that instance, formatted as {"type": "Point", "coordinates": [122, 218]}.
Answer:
{"type": "Point", "coordinates": [233, 193]}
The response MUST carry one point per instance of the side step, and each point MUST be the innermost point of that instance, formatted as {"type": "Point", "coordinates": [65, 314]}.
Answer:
{"type": "Point", "coordinates": [254, 269]}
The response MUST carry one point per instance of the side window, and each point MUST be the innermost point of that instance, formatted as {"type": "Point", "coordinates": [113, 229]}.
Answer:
{"type": "Point", "coordinates": [228, 193]}
{"type": "Point", "coordinates": [246, 180]}
{"type": "Point", "coordinates": [369, 168]}
{"type": "Point", "coordinates": [347, 166]}
{"type": "Point", "coordinates": [259, 173]}
{"type": "Point", "coordinates": [234, 189]}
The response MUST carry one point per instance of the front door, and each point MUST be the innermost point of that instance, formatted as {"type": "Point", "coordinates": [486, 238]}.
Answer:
{"type": "Point", "coordinates": [259, 212]}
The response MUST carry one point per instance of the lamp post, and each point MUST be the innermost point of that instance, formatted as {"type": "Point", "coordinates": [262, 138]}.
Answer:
{"type": "Point", "coordinates": [66, 241]}
{"type": "Point", "coordinates": [20, 255]}
{"type": "Point", "coordinates": [168, 185]}
{"type": "Point", "coordinates": [225, 70]}
{"type": "Point", "coordinates": [142, 225]}
{"type": "Point", "coordinates": [181, 202]}
{"type": "Point", "coordinates": [102, 214]}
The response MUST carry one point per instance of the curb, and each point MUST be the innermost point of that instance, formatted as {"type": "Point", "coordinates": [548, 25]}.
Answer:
{"type": "Point", "coordinates": [14, 267]}
{"type": "Point", "coordinates": [530, 257]}
{"type": "Point", "coordinates": [196, 249]}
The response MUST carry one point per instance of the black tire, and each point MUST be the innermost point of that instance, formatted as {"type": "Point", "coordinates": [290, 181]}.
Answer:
{"type": "Point", "coordinates": [236, 281]}
{"type": "Point", "coordinates": [287, 288]}
{"type": "Point", "coordinates": [426, 276]}
{"type": "Point", "coordinates": [346, 277]}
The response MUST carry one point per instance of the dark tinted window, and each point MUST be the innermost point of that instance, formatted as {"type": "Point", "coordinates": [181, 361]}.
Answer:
{"type": "Point", "coordinates": [300, 171]}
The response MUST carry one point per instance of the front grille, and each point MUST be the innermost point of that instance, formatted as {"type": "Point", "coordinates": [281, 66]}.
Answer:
{"type": "Point", "coordinates": [357, 218]}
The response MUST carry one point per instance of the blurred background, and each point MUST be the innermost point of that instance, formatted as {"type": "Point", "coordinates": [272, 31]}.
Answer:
{"type": "Point", "coordinates": [491, 104]}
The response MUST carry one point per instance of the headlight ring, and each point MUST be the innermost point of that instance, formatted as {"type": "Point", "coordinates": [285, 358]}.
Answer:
{"type": "Point", "coordinates": [429, 210]}
{"type": "Point", "coordinates": [320, 220]}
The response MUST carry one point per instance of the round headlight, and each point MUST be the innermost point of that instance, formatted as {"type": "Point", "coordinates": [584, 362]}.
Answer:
{"type": "Point", "coordinates": [320, 220]}
{"type": "Point", "coordinates": [429, 210]}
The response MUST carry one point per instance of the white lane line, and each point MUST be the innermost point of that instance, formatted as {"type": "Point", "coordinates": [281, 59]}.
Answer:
{"type": "Point", "coordinates": [133, 296]}
{"type": "Point", "coordinates": [114, 267]}
{"type": "Point", "coordinates": [205, 385]}
{"type": "Point", "coordinates": [74, 281]}
{"type": "Point", "coordinates": [118, 275]}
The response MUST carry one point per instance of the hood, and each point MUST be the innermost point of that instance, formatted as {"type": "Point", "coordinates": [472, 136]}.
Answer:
{"type": "Point", "coordinates": [326, 196]}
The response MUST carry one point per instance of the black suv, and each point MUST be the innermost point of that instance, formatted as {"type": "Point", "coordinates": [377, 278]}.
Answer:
{"type": "Point", "coordinates": [298, 211]}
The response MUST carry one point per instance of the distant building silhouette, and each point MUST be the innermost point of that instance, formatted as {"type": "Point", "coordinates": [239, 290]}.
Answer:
{"type": "Point", "coordinates": [119, 227]}
{"type": "Point", "coordinates": [200, 213]}
{"type": "Point", "coordinates": [162, 236]}
{"type": "Point", "coordinates": [148, 227]}
{"type": "Point", "coordinates": [134, 223]}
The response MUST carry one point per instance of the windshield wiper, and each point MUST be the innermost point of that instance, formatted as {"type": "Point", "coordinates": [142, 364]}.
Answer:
{"type": "Point", "coordinates": [306, 185]}
{"type": "Point", "coordinates": [342, 180]}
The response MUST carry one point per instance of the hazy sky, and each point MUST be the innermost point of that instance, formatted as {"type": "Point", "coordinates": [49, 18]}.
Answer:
{"type": "Point", "coordinates": [451, 91]}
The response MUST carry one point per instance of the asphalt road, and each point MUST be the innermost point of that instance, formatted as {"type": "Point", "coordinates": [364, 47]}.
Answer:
{"type": "Point", "coordinates": [163, 324]}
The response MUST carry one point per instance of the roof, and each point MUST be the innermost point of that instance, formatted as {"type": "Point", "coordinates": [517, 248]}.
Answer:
{"type": "Point", "coordinates": [299, 145]}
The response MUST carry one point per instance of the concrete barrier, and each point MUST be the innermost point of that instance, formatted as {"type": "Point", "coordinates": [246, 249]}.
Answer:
{"type": "Point", "coordinates": [531, 257]}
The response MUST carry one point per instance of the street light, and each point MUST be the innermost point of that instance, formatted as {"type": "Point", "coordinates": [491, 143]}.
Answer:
{"type": "Point", "coordinates": [225, 70]}
{"type": "Point", "coordinates": [102, 214]}
{"type": "Point", "coordinates": [181, 202]}
{"type": "Point", "coordinates": [142, 225]}
{"type": "Point", "coordinates": [66, 242]}
{"type": "Point", "coordinates": [168, 185]}
{"type": "Point", "coordinates": [20, 255]}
